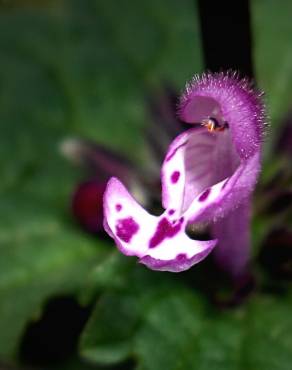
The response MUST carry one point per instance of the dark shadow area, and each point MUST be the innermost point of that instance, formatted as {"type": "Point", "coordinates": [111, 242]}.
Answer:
{"type": "Point", "coordinates": [226, 35]}
{"type": "Point", "coordinates": [54, 337]}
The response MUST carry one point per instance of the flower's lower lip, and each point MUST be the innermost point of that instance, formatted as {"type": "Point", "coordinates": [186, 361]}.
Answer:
{"type": "Point", "coordinates": [160, 238]}
{"type": "Point", "coordinates": [178, 264]}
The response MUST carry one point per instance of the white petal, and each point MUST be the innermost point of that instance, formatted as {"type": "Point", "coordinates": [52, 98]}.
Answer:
{"type": "Point", "coordinates": [155, 240]}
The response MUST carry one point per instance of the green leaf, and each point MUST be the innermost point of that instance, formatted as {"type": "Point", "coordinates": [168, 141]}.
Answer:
{"type": "Point", "coordinates": [273, 53]}
{"type": "Point", "coordinates": [108, 336]}
{"type": "Point", "coordinates": [170, 327]}
{"type": "Point", "coordinates": [168, 336]}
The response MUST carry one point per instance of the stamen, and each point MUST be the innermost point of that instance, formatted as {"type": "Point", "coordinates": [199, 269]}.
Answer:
{"type": "Point", "coordinates": [213, 125]}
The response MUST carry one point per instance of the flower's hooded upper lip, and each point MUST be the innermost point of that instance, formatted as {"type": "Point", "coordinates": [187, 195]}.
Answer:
{"type": "Point", "coordinates": [160, 242]}
{"type": "Point", "coordinates": [235, 100]}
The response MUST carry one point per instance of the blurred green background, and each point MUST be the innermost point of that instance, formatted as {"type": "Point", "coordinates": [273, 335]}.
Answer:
{"type": "Point", "coordinates": [82, 68]}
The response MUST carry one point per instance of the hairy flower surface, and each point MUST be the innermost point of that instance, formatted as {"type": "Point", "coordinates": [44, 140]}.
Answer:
{"type": "Point", "coordinates": [208, 175]}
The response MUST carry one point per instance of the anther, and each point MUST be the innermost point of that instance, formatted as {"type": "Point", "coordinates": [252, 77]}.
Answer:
{"type": "Point", "coordinates": [212, 124]}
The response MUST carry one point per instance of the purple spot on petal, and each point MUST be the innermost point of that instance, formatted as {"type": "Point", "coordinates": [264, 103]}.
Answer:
{"type": "Point", "coordinates": [168, 158]}
{"type": "Point", "coordinates": [118, 207]}
{"type": "Point", "coordinates": [181, 257]}
{"type": "Point", "coordinates": [175, 177]}
{"type": "Point", "coordinates": [171, 212]}
{"type": "Point", "coordinates": [181, 220]}
{"type": "Point", "coordinates": [164, 230]}
{"type": "Point", "coordinates": [204, 195]}
{"type": "Point", "coordinates": [126, 228]}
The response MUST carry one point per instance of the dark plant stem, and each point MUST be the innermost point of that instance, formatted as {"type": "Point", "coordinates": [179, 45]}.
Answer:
{"type": "Point", "coordinates": [226, 35]}
{"type": "Point", "coordinates": [227, 44]}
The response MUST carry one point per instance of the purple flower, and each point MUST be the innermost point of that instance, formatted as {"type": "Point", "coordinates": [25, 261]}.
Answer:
{"type": "Point", "coordinates": [208, 173]}
{"type": "Point", "coordinates": [207, 176]}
